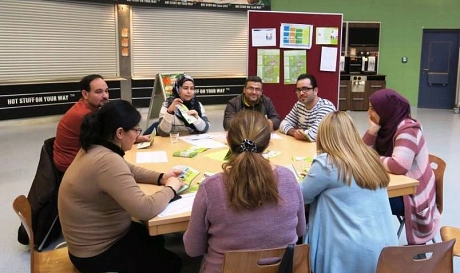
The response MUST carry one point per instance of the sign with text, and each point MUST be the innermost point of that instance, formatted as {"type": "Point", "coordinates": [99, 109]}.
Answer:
{"type": "Point", "coordinates": [197, 4]}
{"type": "Point", "coordinates": [218, 90]}
{"type": "Point", "coordinates": [34, 100]}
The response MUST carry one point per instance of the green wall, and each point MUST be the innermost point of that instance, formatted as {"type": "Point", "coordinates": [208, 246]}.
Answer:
{"type": "Point", "coordinates": [402, 24]}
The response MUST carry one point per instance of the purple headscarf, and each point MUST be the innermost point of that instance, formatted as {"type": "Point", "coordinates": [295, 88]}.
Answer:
{"type": "Point", "coordinates": [392, 109]}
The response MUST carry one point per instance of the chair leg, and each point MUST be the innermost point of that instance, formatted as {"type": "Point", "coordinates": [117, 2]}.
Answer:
{"type": "Point", "coordinates": [40, 247]}
{"type": "Point", "coordinates": [401, 225]}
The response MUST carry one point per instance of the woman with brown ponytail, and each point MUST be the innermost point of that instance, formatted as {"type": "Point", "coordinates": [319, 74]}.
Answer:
{"type": "Point", "coordinates": [252, 204]}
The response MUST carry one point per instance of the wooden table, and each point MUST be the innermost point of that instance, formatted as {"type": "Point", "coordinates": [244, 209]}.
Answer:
{"type": "Point", "coordinates": [288, 146]}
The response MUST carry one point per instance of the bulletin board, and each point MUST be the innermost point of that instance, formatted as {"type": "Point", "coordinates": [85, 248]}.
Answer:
{"type": "Point", "coordinates": [283, 95]}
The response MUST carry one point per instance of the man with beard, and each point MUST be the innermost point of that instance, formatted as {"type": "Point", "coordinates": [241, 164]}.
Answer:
{"type": "Point", "coordinates": [95, 93]}
{"type": "Point", "coordinates": [303, 120]}
{"type": "Point", "coordinates": [252, 98]}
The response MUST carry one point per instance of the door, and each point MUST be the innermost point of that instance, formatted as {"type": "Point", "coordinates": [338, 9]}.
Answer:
{"type": "Point", "coordinates": [438, 75]}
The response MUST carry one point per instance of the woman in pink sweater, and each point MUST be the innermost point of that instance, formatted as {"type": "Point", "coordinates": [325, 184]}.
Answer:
{"type": "Point", "coordinates": [252, 204]}
{"type": "Point", "coordinates": [399, 141]}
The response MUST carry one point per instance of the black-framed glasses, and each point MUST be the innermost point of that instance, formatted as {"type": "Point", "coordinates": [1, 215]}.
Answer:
{"type": "Point", "coordinates": [304, 89]}
{"type": "Point", "coordinates": [252, 89]}
{"type": "Point", "coordinates": [138, 130]}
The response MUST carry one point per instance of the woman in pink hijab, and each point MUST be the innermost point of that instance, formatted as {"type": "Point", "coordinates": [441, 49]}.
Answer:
{"type": "Point", "coordinates": [399, 141]}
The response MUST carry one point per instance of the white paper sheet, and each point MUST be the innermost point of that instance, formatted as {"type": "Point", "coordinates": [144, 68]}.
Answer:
{"type": "Point", "coordinates": [207, 143]}
{"type": "Point", "coordinates": [195, 137]}
{"type": "Point", "coordinates": [203, 140]}
{"type": "Point", "coordinates": [263, 37]}
{"type": "Point", "coordinates": [151, 157]}
{"type": "Point", "coordinates": [275, 136]}
{"type": "Point", "coordinates": [328, 59]}
{"type": "Point", "coordinates": [179, 206]}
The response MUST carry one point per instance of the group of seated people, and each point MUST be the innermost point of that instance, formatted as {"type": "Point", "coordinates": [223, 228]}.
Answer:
{"type": "Point", "coordinates": [252, 203]}
{"type": "Point", "coordinates": [301, 122]}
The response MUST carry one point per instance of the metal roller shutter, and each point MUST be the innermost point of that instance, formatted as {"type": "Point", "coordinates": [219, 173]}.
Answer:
{"type": "Point", "coordinates": [202, 43]}
{"type": "Point", "coordinates": [56, 40]}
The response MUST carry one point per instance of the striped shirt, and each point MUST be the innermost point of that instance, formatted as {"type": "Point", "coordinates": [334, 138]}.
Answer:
{"type": "Point", "coordinates": [410, 157]}
{"type": "Point", "coordinates": [307, 120]}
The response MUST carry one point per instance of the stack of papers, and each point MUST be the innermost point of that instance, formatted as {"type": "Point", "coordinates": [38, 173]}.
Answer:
{"type": "Point", "coordinates": [203, 140]}
{"type": "Point", "coordinates": [179, 206]}
{"type": "Point", "coordinates": [190, 152]}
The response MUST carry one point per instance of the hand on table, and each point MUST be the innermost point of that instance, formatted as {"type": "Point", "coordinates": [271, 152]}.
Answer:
{"type": "Point", "coordinates": [270, 123]}
{"type": "Point", "coordinates": [175, 183]}
{"type": "Point", "coordinates": [143, 138]}
{"type": "Point", "coordinates": [169, 174]}
{"type": "Point", "coordinates": [299, 135]}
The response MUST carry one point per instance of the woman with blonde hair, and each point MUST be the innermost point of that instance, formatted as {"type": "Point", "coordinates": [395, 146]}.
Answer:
{"type": "Point", "coordinates": [252, 204]}
{"type": "Point", "coordinates": [350, 216]}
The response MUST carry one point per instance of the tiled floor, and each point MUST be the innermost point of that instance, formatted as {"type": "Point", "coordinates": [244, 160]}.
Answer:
{"type": "Point", "coordinates": [21, 141]}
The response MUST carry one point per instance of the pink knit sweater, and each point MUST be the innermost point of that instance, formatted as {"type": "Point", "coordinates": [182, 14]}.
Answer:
{"type": "Point", "coordinates": [214, 228]}
{"type": "Point", "coordinates": [410, 158]}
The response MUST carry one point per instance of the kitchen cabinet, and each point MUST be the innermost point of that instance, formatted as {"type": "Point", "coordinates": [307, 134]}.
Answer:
{"type": "Point", "coordinates": [355, 90]}
{"type": "Point", "coordinates": [344, 98]}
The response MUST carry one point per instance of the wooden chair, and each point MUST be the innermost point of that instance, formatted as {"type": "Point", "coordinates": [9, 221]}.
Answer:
{"type": "Point", "coordinates": [56, 260]}
{"type": "Point", "coordinates": [439, 167]}
{"type": "Point", "coordinates": [449, 233]}
{"type": "Point", "coordinates": [401, 259]}
{"type": "Point", "coordinates": [265, 260]}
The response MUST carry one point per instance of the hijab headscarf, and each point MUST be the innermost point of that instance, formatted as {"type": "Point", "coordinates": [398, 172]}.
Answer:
{"type": "Point", "coordinates": [192, 104]}
{"type": "Point", "coordinates": [392, 109]}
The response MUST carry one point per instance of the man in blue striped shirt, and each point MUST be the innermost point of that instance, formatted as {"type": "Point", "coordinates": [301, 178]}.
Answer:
{"type": "Point", "coordinates": [303, 120]}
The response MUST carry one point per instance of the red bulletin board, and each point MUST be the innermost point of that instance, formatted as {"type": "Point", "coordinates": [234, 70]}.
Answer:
{"type": "Point", "coordinates": [283, 96]}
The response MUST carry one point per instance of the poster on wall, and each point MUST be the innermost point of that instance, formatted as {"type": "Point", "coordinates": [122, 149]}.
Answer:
{"type": "Point", "coordinates": [296, 36]}
{"type": "Point", "coordinates": [197, 4]}
{"type": "Point", "coordinates": [328, 59]}
{"type": "Point", "coordinates": [268, 65]}
{"type": "Point", "coordinates": [295, 63]}
{"type": "Point", "coordinates": [327, 36]}
{"type": "Point", "coordinates": [263, 37]}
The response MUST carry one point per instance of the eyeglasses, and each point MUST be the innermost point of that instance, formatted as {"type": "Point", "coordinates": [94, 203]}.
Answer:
{"type": "Point", "coordinates": [304, 89]}
{"type": "Point", "coordinates": [138, 130]}
{"type": "Point", "coordinates": [252, 89]}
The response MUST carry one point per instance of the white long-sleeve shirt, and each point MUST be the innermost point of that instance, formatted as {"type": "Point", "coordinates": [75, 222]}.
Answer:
{"type": "Point", "coordinates": [307, 120]}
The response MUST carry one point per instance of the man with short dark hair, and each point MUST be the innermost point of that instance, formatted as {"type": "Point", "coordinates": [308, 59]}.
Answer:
{"type": "Point", "coordinates": [95, 93]}
{"type": "Point", "coordinates": [303, 120]}
{"type": "Point", "coordinates": [252, 98]}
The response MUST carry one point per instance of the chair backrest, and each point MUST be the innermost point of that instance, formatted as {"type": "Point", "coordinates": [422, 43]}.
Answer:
{"type": "Point", "coordinates": [401, 259]}
{"type": "Point", "coordinates": [449, 233]}
{"type": "Point", "coordinates": [439, 167]}
{"type": "Point", "coordinates": [41, 262]}
{"type": "Point", "coordinates": [265, 260]}
{"type": "Point", "coordinates": [22, 208]}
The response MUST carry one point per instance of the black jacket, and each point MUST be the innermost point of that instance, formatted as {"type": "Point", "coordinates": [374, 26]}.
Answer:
{"type": "Point", "coordinates": [43, 200]}
{"type": "Point", "coordinates": [264, 106]}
